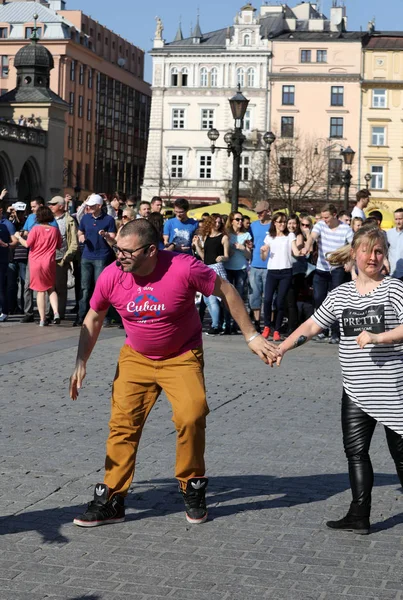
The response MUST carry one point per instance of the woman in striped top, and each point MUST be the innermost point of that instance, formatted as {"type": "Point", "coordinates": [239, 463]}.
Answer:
{"type": "Point", "coordinates": [370, 314]}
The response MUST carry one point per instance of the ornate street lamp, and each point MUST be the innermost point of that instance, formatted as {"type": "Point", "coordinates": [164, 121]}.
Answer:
{"type": "Point", "coordinates": [348, 157]}
{"type": "Point", "coordinates": [234, 142]}
{"type": "Point", "coordinates": [367, 178]}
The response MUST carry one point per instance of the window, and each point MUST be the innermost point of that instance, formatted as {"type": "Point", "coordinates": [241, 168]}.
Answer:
{"type": "Point", "coordinates": [251, 77]}
{"type": "Point", "coordinates": [207, 118]}
{"type": "Point", "coordinates": [79, 140]}
{"type": "Point", "coordinates": [81, 76]}
{"type": "Point", "coordinates": [174, 77]}
{"type": "Point", "coordinates": [71, 108]}
{"type": "Point", "coordinates": [30, 30]}
{"type": "Point", "coordinates": [99, 37]}
{"type": "Point", "coordinates": [4, 66]}
{"type": "Point", "coordinates": [185, 76]}
{"type": "Point", "coordinates": [78, 174]}
{"type": "Point", "coordinates": [337, 95]}
{"type": "Point", "coordinates": [321, 56]}
{"type": "Point", "coordinates": [377, 178]}
{"type": "Point", "coordinates": [80, 105]}
{"type": "Point", "coordinates": [246, 39]}
{"type": "Point", "coordinates": [244, 167]}
{"type": "Point", "coordinates": [287, 127]}
{"type": "Point", "coordinates": [90, 78]}
{"type": "Point", "coordinates": [378, 136]}
{"type": "Point", "coordinates": [69, 170]}
{"type": "Point", "coordinates": [3, 32]}
{"type": "Point", "coordinates": [70, 138]}
{"type": "Point", "coordinates": [336, 127]}
{"type": "Point", "coordinates": [106, 41]}
{"type": "Point", "coordinates": [89, 110]}
{"type": "Point", "coordinates": [286, 170]}
{"type": "Point", "coordinates": [240, 77]}
{"type": "Point", "coordinates": [214, 77]}
{"type": "Point", "coordinates": [178, 118]}
{"type": "Point", "coordinates": [288, 94]}
{"type": "Point", "coordinates": [73, 70]}
{"type": "Point", "coordinates": [335, 171]}
{"type": "Point", "coordinates": [306, 56]}
{"type": "Point", "coordinates": [205, 166]}
{"type": "Point", "coordinates": [88, 143]}
{"type": "Point", "coordinates": [87, 176]}
{"type": "Point", "coordinates": [203, 77]}
{"type": "Point", "coordinates": [177, 165]}
{"type": "Point", "coordinates": [247, 121]}
{"type": "Point", "coordinates": [378, 98]}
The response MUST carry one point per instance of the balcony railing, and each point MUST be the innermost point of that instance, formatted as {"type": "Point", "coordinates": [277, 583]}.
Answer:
{"type": "Point", "coordinates": [23, 134]}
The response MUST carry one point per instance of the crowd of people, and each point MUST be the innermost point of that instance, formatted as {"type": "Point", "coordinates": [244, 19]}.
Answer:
{"type": "Point", "coordinates": [278, 262]}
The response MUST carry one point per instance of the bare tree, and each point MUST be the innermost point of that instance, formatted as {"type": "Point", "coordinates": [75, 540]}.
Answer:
{"type": "Point", "coordinates": [168, 180]}
{"type": "Point", "coordinates": [300, 172]}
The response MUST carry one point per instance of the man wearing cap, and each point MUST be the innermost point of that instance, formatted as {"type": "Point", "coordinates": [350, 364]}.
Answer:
{"type": "Point", "coordinates": [7, 241]}
{"type": "Point", "coordinates": [258, 270]}
{"type": "Point", "coordinates": [97, 253]}
{"type": "Point", "coordinates": [68, 251]}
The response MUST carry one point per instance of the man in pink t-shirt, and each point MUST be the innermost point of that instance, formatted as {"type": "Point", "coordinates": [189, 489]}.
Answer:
{"type": "Point", "coordinates": [154, 293]}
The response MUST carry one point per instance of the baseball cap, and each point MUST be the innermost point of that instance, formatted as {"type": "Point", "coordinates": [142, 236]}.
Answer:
{"type": "Point", "coordinates": [262, 205]}
{"type": "Point", "coordinates": [56, 200]}
{"type": "Point", "coordinates": [19, 206]}
{"type": "Point", "coordinates": [94, 199]}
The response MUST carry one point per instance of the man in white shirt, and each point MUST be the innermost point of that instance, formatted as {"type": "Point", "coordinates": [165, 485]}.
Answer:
{"type": "Point", "coordinates": [395, 240]}
{"type": "Point", "coordinates": [330, 235]}
{"type": "Point", "coordinates": [363, 197]}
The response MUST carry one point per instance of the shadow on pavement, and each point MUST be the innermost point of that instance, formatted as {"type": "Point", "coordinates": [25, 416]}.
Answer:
{"type": "Point", "coordinates": [227, 495]}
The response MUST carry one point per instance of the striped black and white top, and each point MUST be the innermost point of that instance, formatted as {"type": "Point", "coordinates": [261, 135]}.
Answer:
{"type": "Point", "coordinates": [372, 376]}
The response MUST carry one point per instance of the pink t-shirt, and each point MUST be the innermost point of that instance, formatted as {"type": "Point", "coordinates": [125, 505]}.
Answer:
{"type": "Point", "coordinates": [158, 311]}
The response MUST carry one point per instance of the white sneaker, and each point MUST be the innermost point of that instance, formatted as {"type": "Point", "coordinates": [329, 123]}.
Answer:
{"type": "Point", "coordinates": [3, 318]}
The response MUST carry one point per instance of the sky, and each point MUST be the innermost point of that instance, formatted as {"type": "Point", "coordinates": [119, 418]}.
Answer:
{"type": "Point", "coordinates": [124, 18]}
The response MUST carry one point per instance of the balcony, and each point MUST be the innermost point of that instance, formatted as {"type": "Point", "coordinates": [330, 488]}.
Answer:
{"type": "Point", "coordinates": [23, 135]}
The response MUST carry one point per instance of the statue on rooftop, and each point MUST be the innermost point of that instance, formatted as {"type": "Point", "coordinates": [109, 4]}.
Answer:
{"type": "Point", "coordinates": [159, 29]}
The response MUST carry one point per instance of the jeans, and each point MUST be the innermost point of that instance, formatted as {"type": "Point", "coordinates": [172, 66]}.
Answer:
{"type": "Point", "coordinates": [257, 283]}
{"type": "Point", "coordinates": [237, 278]}
{"type": "Point", "coordinates": [323, 283]}
{"type": "Point", "coordinates": [358, 428]}
{"type": "Point", "coordinates": [28, 295]}
{"type": "Point", "coordinates": [3, 288]}
{"type": "Point", "coordinates": [90, 271]}
{"type": "Point", "coordinates": [15, 270]}
{"type": "Point", "coordinates": [214, 308]}
{"type": "Point", "coordinates": [277, 280]}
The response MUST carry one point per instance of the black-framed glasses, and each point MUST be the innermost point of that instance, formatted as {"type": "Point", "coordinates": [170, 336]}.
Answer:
{"type": "Point", "coordinates": [237, 219]}
{"type": "Point", "coordinates": [128, 253]}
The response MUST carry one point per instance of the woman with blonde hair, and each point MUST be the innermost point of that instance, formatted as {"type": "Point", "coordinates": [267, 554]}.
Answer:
{"type": "Point", "coordinates": [370, 313]}
{"type": "Point", "coordinates": [212, 246]}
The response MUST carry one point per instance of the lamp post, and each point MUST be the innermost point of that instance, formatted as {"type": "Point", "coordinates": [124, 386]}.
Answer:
{"type": "Point", "coordinates": [367, 178]}
{"type": "Point", "coordinates": [348, 156]}
{"type": "Point", "coordinates": [235, 140]}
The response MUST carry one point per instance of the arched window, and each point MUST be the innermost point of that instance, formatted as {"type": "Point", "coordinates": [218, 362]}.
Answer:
{"type": "Point", "coordinates": [246, 39]}
{"type": "Point", "coordinates": [203, 77]}
{"type": "Point", "coordinates": [185, 75]}
{"type": "Point", "coordinates": [214, 77]}
{"type": "Point", "coordinates": [240, 77]}
{"type": "Point", "coordinates": [174, 77]}
{"type": "Point", "coordinates": [251, 77]}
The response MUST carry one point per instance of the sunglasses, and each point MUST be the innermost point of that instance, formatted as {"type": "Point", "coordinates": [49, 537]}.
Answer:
{"type": "Point", "coordinates": [237, 219]}
{"type": "Point", "coordinates": [280, 221]}
{"type": "Point", "coordinates": [130, 205]}
{"type": "Point", "coordinates": [305, 224]}
{"type": "Point", "coordinates": [124, 217]}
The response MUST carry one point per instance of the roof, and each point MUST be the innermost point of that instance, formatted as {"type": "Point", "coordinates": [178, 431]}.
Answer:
{"type": "Point", "coordinates": [23, 12]}
{"type": "Point", "coordinates": [385, 41]}
{"type": "Point", "coordinates": [34, 55]}
{"type": "Point", "coordinates": [31, 95]}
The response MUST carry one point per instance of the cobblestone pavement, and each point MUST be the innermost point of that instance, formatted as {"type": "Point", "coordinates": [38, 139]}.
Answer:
{"type": "Point", "coordinates": [276, 468]}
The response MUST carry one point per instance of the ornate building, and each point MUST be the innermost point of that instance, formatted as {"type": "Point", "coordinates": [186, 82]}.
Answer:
{"type": "Point", "coordinates": [301, 73]}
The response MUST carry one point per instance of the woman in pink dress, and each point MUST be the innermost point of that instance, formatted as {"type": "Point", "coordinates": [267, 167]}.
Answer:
{"type": "Point", "coordinates": [43, 241]}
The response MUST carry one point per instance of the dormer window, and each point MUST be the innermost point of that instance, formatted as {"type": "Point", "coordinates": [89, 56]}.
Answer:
{"type": "Point", "coordinates": [174, 77]}
{"type": "Point", "coordinates": [29, 31]}
{"type": "Point", "coordinates": [3, 32]}
{"type": "Point", "coordinates": [185, 76]}
{"type": "Point", "coordinates": [247, 39]}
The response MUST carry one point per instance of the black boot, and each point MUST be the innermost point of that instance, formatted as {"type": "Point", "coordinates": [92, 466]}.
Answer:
{"type": "Point", "coordinates": [357, 520]}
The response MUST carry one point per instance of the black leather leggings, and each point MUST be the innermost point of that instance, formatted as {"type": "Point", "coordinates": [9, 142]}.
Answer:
{"type": "Point", "coordinates": [358, 428]}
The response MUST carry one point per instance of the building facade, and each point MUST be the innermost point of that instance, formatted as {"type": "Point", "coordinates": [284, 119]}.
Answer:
{"type": "Point", "coordinates": [100, 75]}
{"type": "Point", "coordinates": [382, 123]}
{"type": "Point", "coordinates": [301, 72]}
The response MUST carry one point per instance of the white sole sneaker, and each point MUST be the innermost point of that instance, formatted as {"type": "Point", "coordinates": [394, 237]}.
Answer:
{"type": "Point", "coordinates": [81, 523]}
{"type": "Point", "coordinates": [196, 521]}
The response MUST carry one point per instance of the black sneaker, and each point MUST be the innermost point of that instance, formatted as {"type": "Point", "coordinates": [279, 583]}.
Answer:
{"type": "Point", "coordinates": [213, 331]}
{"type": "Point", "coordinates": [195, 500]}
{"type": "Point", "coordinates": [102, 511]}
{"type": "Point", "coordinates": [27, 319]}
